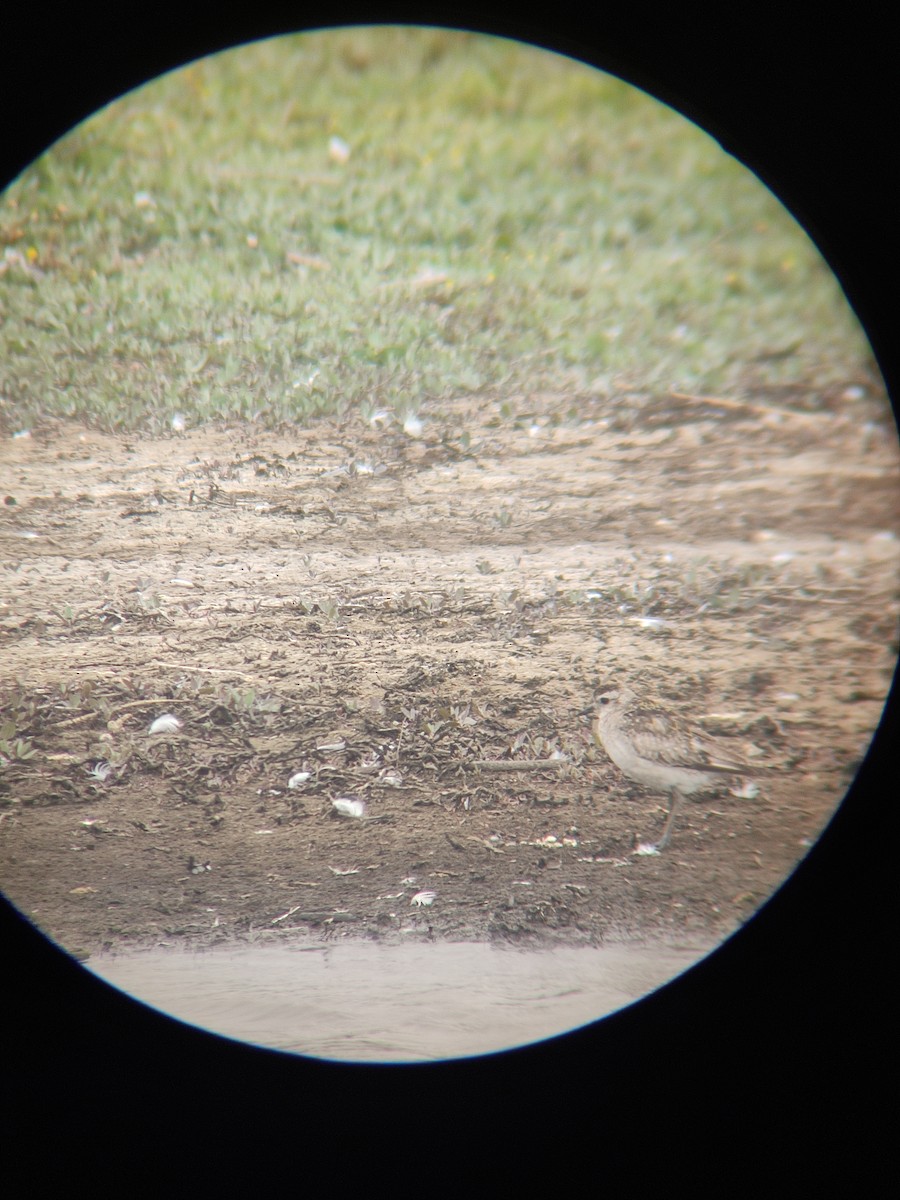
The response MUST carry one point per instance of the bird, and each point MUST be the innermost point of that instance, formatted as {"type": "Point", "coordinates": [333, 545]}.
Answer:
{"type": "Point", "coordinates": [654, 749]}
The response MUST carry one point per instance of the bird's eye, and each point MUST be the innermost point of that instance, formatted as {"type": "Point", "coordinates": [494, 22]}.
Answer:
{"type": "Point", "coordinates": [604, 699]}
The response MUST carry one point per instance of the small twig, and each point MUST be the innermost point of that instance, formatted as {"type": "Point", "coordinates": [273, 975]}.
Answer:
{"type": "Point", "coordinates": [71, 722]}
{"type": "Point", "coordinates": [403, 725]}
{"type": "Point", "coordinates": [290, 912]}
{"type": "Point", "coordinates": [527, 764]}
{"type": "Point", "coordinates": [95, 714]}
{"type": "Point", "coordinates": [484, 842]}
{"type": "Point", "coordinates": [146, 703]}
{"type": "Point", "coordinates": [177, 666]}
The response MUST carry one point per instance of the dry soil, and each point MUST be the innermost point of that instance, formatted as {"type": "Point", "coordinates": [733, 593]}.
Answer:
{"type": "Point", "coordinates": [416, 622]}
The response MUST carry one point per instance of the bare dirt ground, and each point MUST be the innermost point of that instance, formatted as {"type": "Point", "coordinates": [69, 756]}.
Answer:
{"type": "Point", "coordinates": [414, 621]}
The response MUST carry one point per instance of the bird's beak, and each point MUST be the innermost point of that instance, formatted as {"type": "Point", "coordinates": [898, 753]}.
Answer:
{"type": "Point", "coordinates": [587, 712]}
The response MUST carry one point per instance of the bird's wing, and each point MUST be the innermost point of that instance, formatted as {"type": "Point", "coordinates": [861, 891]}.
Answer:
{"type": "Point", "coordinates": [656, 736]}
{"type": "Point", "coordinates": [717, 756]}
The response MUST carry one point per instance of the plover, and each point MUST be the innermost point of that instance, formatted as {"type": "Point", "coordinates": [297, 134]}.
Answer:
{"type": "Point", "coordinates": [652, 748]}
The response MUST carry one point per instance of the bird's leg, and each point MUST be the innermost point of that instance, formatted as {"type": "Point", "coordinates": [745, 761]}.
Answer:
{"type": "Point", "coordinates": [674, 803]}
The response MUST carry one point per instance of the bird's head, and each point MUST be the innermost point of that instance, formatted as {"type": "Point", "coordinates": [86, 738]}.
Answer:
{"type": "Point", "coordinates": [603, 697]}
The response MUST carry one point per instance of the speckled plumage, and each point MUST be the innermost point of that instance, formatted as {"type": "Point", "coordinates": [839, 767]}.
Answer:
{"type": "Point", "coordinates": [654, 749]}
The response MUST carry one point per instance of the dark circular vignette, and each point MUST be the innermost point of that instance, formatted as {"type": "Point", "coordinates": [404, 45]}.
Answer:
{"type": "Point", "coordinates": [770, 1050]}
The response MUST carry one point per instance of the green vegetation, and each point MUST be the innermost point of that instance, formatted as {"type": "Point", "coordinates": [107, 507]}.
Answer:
{"type": "Point", "coordinates": [489, 218]}
{"type": "Point", "coordinates": [13, 748]}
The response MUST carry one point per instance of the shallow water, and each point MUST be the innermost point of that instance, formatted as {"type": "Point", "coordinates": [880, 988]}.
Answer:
{"type": "Point", "coordinates": [366, 1002]}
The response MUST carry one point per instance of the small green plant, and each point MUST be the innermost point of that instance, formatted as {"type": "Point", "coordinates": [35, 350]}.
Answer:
{"type": "Point", "coordinates": [248, 700]}
{"type": "Point", "coordinates": [330, 609]}
{"type": "Point", "coordinates": [461, 716]}
{"type": "Point", "coordinates": [12, 747]}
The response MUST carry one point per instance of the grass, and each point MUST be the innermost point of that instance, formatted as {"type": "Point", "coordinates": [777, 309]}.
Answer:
{"type": "Point", "coordinates": [508, 221]}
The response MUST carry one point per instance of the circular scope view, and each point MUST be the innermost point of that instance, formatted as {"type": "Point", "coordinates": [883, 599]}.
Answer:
{"type": "Point", "coordinates": [449, 544]}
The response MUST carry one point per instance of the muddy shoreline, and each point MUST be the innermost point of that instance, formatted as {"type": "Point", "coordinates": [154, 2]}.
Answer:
{"type": "Point", "coordinates": [348, 612]}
